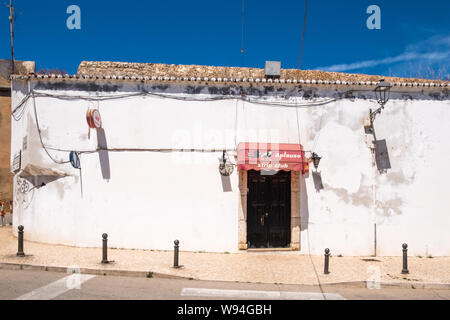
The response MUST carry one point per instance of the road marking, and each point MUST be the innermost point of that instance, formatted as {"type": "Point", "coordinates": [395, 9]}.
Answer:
{"type": "Point", "coordinates": [253, 294]}
{"type": "Point", "coordinates": [57, 288]}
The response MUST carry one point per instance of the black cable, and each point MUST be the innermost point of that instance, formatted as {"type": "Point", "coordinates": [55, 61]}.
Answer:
{"type": "Point", "coordinates": [40, 136]}
{"type": "Point", "coordinates": [242, 28]}
{"type": "Point", "coordinates": [165, 96]}
{"type": "Point", "coordinates": [101, 98]}
{"type": "Point", "coordinates": [21, 103]}
{"type": "Point", "coordinates": [303, 35]}
{"type": "Point", "coordinates": [206, 99]}
{"type": "Point", "coordinates": [168, 150]}
{"type": "Point", "coordinates": [314, 267]}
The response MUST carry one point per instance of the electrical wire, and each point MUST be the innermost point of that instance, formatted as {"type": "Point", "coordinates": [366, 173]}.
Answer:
{"type": "Point", "coordinates": [298, 125]}
{"type": "Point", "coordinates": [242, 29]}
{"type": "Point", "coordinates": [316, 139]}
{"type": "Point", "coordinates": [236, 124]}
{"type": "Point", "coordinates": [20, 105]}
{"type": "Point", "coordinates": [184, 98]}
{"type": "Point", "coordinates": [303, 35]}
{"type": "Point", "coordinates": [293, 105]}
{"type": "Point", "coordinates": [40, 136]}
{"type": "Point", "coordinates": [180, 98]}
{"type": "Point", "coordinates": [307, 229]}
{"type": "Point", "coordinates": [314, 267]}
{"type": "Point", "coordinates": [81, 178]}
{"type": "Point", "coordinates": [189, 98]}
{"type": "Point", "coordinates": [166, 150]}
{"type": "Point", "coordinates": [34, 94]}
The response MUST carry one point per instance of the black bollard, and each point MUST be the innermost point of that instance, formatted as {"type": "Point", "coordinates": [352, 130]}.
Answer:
{"type": "Point", "coordinates": [176, 249]}
{"type": "Point", "coordinates": [20, 252]}
{"type": "Point", "coordinates": [405, 259]}
{"type": "Point", "coordinates": [327, 261]}
{"type": "Point", "coordinates": [105, 248]}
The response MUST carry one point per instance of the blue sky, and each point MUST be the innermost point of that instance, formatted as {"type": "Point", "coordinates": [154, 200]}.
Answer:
{"type": "Point", "coordinates": [414, 35]}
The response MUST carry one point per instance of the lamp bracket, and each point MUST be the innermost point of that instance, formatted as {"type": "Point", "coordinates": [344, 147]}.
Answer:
{"type": "Point", "coordinates": [374, 113]}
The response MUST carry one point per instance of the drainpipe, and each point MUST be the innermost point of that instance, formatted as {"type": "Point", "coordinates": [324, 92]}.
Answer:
{"type": "Point", "coordinates": [370, 140]}
{"type": "Point", "coordinates": [374, 211]}
{"type": "Point", "coordinates": [375, 239]}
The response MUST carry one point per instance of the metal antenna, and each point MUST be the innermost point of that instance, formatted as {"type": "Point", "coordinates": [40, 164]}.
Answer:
{"type": "Point", "coordinates": [242, 32]}
{"type": "Point", "coordinates": [303, 35]}
{"type": "Point", "coordinates": [11, 21]}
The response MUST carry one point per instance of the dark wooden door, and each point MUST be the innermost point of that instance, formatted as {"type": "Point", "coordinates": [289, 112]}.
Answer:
{"type": "Point", "coordinates": [269, 210]}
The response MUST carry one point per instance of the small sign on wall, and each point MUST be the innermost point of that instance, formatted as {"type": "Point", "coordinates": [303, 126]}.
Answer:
{"type": "Point", "coordinates": [17, 162]}
{"type": "Point", "coordinates": [93, 119]}
{"type": "Point", "coordinates": [74, 160]}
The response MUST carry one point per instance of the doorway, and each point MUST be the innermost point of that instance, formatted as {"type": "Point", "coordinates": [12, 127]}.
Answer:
{"type": "Point", "coordinates": [268, 210]}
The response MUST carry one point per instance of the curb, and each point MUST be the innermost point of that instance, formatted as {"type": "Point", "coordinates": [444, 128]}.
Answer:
{"type": "Point", "coordinates": [143, 274]}
{"type": "Point", "coordinates": [386, 285]}
{"type": "Point", "coordinates": [98, 272]}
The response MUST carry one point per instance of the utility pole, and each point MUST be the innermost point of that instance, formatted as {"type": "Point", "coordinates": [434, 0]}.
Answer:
{"type": "Point", "coordinates": [11, 21]}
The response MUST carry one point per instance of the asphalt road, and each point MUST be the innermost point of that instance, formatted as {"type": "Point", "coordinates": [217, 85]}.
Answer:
{"type": "Point", "coordinates": [32, 285]}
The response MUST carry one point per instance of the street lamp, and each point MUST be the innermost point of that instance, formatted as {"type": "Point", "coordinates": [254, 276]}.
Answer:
{"type": "Point", "coordinates": [382, 92]}
{"type": "Point", "coordinates": [225, 166]}
{"type": "Point", "coordinates": [316, 160]}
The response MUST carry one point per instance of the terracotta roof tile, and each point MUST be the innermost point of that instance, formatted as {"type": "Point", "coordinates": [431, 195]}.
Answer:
{"type": "Point", "coordinates": [197, 72]}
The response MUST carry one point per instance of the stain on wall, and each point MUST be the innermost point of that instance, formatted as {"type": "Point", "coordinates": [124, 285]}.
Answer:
{"type": "Point", "coordinates": [363, 197]}
{"type": "Point", "coordinates": [390, 207]}
{"type": "Point", "coordinates": [77, 86]}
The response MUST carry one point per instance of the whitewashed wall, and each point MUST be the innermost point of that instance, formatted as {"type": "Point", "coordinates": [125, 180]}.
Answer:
{"type": "Point", "coordinates": [148, 199]}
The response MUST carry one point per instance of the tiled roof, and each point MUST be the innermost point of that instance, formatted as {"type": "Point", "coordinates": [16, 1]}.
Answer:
{"type": "Point", "coordinates": [124, 69]}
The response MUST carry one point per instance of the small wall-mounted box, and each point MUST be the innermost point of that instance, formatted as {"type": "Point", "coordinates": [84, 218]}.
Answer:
{"type": "Point", "coordinates": [272, 69]}
{"type": "Point", "coordinates": [368, 129]}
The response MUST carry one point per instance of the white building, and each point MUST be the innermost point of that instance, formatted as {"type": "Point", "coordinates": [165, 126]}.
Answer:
{"type": "Point", "coordinates": [150, 174]}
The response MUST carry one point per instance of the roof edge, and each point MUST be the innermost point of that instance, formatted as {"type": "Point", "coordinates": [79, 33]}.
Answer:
{"type": "Point", "coordinates": [315, 82]}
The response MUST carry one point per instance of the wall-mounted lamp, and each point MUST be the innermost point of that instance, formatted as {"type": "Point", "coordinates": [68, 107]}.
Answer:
{"type": "Point", "coordinates": [225, 166]}
{"type": "Point", "coordinates": [382, 93]}
{"type": "Point", "coordinates": [316, 160]}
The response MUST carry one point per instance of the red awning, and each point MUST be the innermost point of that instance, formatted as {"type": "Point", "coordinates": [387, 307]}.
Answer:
{"type": "Point", "coordinates": [271, 156]}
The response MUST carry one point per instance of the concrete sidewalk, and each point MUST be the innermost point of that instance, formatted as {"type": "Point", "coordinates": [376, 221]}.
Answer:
{"type": "Point", "coordinates": [262, 267]}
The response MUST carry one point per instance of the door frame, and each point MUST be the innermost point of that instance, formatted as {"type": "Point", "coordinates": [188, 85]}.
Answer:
{"type": "Point", "coordinates": [295, 211]}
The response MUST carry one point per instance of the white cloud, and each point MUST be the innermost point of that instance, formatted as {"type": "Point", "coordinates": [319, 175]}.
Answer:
{"type": "Point", "coordinates": [428, 52]}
